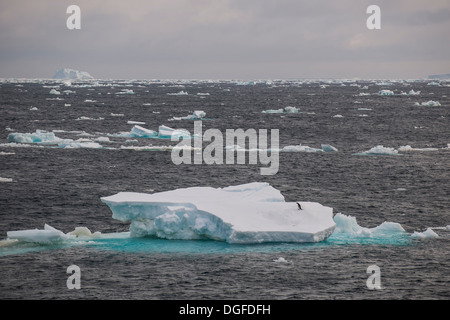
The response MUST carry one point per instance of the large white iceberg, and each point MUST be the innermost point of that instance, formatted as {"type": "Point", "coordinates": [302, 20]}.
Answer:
{"type": "Point", "coordinates": [250, 213]}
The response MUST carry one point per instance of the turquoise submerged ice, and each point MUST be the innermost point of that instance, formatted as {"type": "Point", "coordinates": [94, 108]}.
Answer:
{"type": "Point", "coordinates": [249, 217]}
{"type": "Point", "coordinates": [249, 213]}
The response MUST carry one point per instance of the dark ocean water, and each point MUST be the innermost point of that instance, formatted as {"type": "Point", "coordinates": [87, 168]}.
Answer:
{"type": "Point", "coordinates": [62, 187]}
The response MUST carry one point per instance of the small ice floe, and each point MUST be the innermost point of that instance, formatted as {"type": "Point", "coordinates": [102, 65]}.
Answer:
{"type": "Point", "coordinates": [135, 122]}
{"type": "Point", "coordinates": [408, 148]}
{"type": "Point", "coordinates": [125, 91]}
{"type": "Point", "coordinates": [180, 93]}
{"type": "Point", "coordinates": [5, 180]}
{"type": "Point", "coordinates": [427, 234]}
{"type": "Point", "coordinates": [82, 118]}
{"type": "Point", "coordinates": [386, 93]}
{"type": "Point", "coordinates": [379, 150]}
{"type": "Point", "coordinates": [280, 260]}
{"type": "Point", "coordinates": [288, 109]}
{"type": "Point", "coordinates": [430, 103]}
{"type": "Point", "coordinates": [196, 115]}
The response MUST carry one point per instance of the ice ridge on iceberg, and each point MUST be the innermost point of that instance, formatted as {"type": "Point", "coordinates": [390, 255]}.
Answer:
{"type": "Point", "coordinates": [250, 213]}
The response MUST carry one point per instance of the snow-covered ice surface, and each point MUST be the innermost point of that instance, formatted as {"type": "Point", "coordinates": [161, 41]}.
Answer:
{"type": "Point", "coordinates": [250, 213]}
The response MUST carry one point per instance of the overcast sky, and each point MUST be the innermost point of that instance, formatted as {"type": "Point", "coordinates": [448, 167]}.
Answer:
{"type": "Point", "coordinates": [225, 39]}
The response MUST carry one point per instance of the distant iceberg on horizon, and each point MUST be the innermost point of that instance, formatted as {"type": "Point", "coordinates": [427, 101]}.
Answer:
{"type": "Point", "coordinates": [71, 74]}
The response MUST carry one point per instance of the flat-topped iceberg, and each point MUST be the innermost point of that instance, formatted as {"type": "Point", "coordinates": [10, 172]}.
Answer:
{"type": "Point", "coordinates": [250, 213]}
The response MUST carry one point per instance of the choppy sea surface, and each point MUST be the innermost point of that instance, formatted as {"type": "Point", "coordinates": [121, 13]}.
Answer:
{"type": "Point", "coordinates": [62, 186]}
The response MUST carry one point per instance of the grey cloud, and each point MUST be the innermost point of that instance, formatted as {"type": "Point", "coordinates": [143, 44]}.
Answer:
{"type": "Point", "coordinates": [204, 38]}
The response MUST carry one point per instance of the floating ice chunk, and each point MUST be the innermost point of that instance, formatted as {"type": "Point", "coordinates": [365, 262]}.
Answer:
{"type": "Point", "coordinates": [413, 93]}
{"type": "Point", "coordinates": [102, 139]}
{"type": "Point", "coordinates": [250, 213]}
{"type": "Point", "coordinates": [84, 118]}
{"type": "Point", "coordinates": [135, 122]}
{"type": "Point", "coordinates": [203, 94]}
{"type": "Point", "coordinates": [196, 115]}
{"type": "Point", "coordinates": [45, 138]}
{"type": "Point", "coordinates": [433, 83]}
{"type": "Point", "coordinates": [125, 91]}
{"type": "Point", "coordinates": [34, 109]}
{"type": "Point", "coordinates": [429, 103]}
{"type": "Point", "coordinates": [167, 132]}
{"type": "Point", "coordinates": [54, 91]}
{"type": "Point", "coordinates": [6, 179]}
{"type": "Point", "coordinates": [81, 232]}
{"type": "Point", "coordinates": [386, 93]}
{"type": "Point", "coordinates": [116, 114]}
{"type": "Point", "coordinates": [80, 145]}
{"type": "Point", "coordinates": [328, 148]}
{"type": "Point", "coordinates": [47, 235]}
{"type": "Point", "coordinates": [408, 148]}
{"type": "Point", "coordinates": [300, 148]}
{"type": "Point", "coordinates": [180, 93]}
{"type": "Point", "coordinates": [348, 225]}
{"type": "Point", "coordinates": [147, 148]}
{"type": "Point", "coordinates": [273, 111]}
{"type": "Point", "coordinates": [290, 109]}
{"type": "Point", "coordinates": [280, 260]}
{"type": "Point", "coordinates": [338, 116]}
{"type": "Point", "coordinates": [141, 132]}
{"type": "Point", "coordinates": [429, 234]}
{"type": "Point", "coordinates": [380, 150]}
{"type": "Point", "coordinates": [39, 136]}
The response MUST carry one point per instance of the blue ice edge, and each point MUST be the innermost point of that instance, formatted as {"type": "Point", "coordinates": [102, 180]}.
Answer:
{"type": "Point", "coordinates": [149, 245]}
